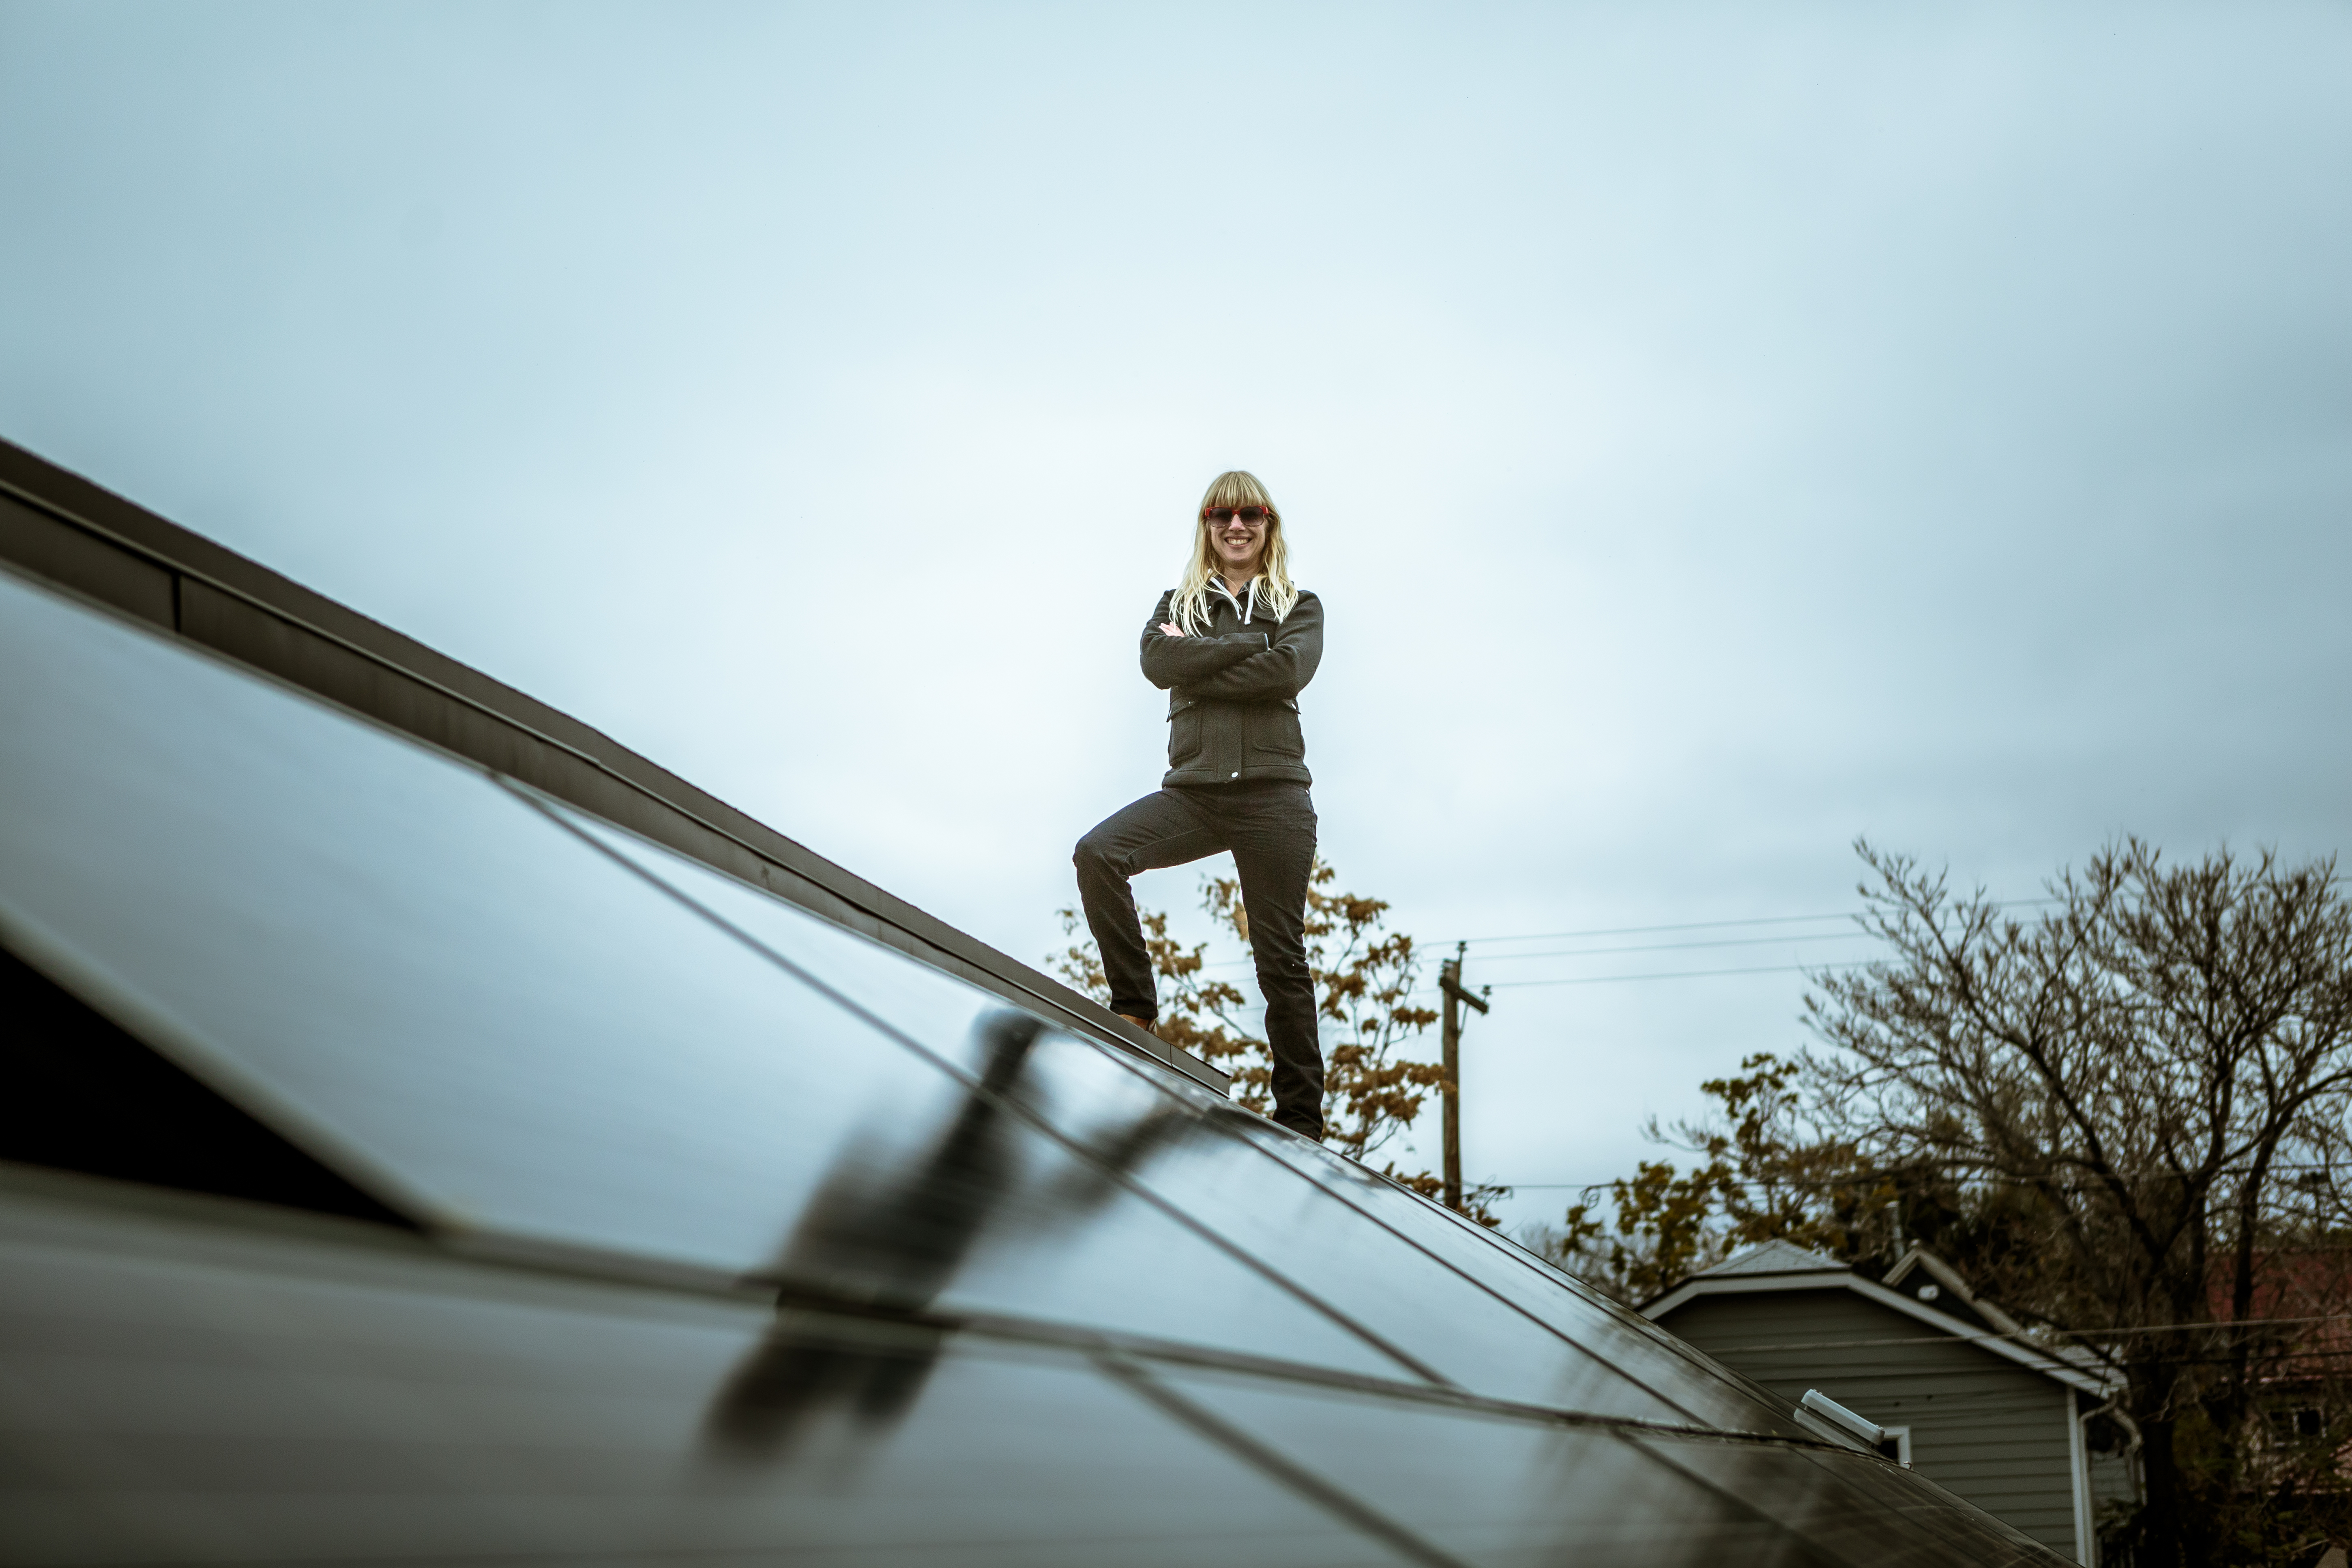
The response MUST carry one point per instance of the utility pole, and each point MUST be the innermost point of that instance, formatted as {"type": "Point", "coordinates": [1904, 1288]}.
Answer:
{"type": "Point", "coordinates": [1449, 980]}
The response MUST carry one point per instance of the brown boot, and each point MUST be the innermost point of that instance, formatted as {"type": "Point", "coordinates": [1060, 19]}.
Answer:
{"type": "Point", "coordinates": [1142, 1023]}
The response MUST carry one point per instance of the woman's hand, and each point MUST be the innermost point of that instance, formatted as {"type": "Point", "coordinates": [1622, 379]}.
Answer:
{"type": "Point", "coordinates": [1171, 629]}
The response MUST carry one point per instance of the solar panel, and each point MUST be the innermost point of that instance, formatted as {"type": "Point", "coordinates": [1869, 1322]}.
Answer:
{"type": "Point", "coordinates": [737, 1235]}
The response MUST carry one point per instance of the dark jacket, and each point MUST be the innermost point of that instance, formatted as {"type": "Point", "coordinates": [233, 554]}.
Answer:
{"type": "Point", "coordinates": [1233, 692]}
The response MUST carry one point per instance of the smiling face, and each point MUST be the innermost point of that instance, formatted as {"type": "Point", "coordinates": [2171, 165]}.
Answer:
{"type": "Point", "coordinates": [1237, 538]}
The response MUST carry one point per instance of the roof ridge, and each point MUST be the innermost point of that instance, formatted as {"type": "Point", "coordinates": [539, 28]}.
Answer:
{"type": "Point", "coordinates": [1774, 1257]}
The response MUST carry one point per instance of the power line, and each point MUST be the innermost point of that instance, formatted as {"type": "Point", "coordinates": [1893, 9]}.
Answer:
{"type": "Point", "coordinates": [1704, 925]}
{"type": "Point", "coordinates": [1643, 947]}
{"type": "Point", "coordinates": [1647, 931]}
{"type": "Point", "coordinates": [1665, 975]}
{"type": "Point", "coordinates": [1684, 946]}
{"type": "Point", "coordinates": [1669, 947]}
{"type": "Point", "coordinates": [1683, 975]}
{"type": "Point", "coordinates": [2030, 1337]}
{"type": "Point", "coordinates": [1643, 931]}
{"type": "Point", "coordinates": [1864, 1178]}
{"type": "Point", "coordinates": [1760, 921]}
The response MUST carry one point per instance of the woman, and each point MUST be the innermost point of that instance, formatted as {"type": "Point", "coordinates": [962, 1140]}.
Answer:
{"type": "Point", "coordinates": [1232, 645]}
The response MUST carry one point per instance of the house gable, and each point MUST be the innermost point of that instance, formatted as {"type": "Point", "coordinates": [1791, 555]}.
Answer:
{"type": "Point", "coordinates": [2072, 1368]}
{"type": "Point", "coordinates": [1985, 1428]}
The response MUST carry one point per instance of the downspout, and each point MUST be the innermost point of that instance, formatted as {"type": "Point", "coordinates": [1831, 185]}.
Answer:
{"type": "Point", "coordinates": [2079, 1446]}
{"type": "Point", "coordinates": [2078, 1461]}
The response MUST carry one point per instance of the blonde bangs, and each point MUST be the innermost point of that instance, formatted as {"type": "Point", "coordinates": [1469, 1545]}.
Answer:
{"type": "Point", "coordinates": [1237, 488]}
{"type": "Point", "coordinates": [1274, 590]}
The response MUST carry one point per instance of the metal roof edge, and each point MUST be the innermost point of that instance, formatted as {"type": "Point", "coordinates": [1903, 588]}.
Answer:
{"type": "Point", "coordinates": [704, 827]}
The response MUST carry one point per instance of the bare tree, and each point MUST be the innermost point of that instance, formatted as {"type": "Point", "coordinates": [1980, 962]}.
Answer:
{"type": "Point", "coordinates": [2123, 1117]}
{"type": "Point", "coordinates": [2146, 1087]}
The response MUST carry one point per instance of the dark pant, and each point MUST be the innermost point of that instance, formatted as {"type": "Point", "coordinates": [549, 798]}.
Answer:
{"type": "Point", "coordinates": [1270, 829]}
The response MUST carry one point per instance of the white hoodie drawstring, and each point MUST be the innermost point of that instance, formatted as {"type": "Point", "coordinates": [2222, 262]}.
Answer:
{"type": "Point", "coordinates": [1248, 608]}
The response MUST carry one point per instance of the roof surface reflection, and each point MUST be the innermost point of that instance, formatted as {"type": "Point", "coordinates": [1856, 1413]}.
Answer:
{"type": "Point", "coordinates": [730, 1231]}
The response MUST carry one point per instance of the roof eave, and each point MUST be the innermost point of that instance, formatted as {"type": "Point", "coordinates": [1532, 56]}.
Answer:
{"type": "Point", "coordinates": [2050, 1364]}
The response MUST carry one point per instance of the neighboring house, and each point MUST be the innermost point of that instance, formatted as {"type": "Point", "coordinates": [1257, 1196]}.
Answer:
{"type": "Point", "coordinates": [1972, 1403]}
{"type": "Point", "coordinates": [2300, 1292]}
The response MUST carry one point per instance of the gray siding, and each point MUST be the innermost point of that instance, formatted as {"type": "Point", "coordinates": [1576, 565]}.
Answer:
{"type": "Point", "coordinates": [1981, 1427]}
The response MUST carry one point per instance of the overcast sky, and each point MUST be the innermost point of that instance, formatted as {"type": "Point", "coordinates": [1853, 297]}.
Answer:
{"type": "Point", "coordinates": [1715, 433]}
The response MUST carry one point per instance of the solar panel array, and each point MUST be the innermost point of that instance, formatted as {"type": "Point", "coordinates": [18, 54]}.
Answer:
{"type": "Point", "coordinates": [685, 1225]}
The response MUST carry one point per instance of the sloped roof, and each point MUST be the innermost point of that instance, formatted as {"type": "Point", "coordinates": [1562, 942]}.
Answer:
{"type": "Point", "coordinates": [105, 547]}
{"type": "Point", "coordinates": [1773, 1258]}
{"type": "Point", "coordinates": [609, 1086]}
{"type": "Point", "coordinates": [1775, 1266]}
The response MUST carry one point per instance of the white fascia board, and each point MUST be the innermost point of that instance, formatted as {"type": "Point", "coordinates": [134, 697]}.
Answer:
{"type": "Point", "coordinates": [2040, 1361]}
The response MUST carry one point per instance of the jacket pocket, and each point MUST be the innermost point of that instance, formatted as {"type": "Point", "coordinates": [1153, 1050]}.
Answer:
{"type": "Point", "coordinates": [1184, 735]}
{"type": "Point", "coordinates": [1273, 737]}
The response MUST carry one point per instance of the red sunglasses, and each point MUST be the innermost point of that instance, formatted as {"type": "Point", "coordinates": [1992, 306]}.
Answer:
{"type": "Point", "coordinates": [1222, 515]}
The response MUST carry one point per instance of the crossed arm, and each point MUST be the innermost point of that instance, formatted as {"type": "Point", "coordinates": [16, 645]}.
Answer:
{"type": "Point", "coordinates": [1247, 666]}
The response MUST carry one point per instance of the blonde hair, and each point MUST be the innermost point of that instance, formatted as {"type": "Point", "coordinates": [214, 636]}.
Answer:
{"type": "Point", "coordinates": [1271, 587]}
